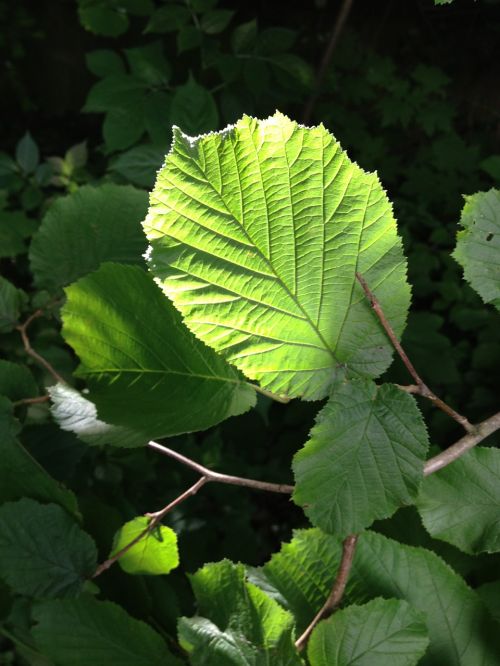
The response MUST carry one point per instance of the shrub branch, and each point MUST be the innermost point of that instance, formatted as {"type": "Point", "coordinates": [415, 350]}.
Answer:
{"type": "Point", "coordinates": [420, 388]}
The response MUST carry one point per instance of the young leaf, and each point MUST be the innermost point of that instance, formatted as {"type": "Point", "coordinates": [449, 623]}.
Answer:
{"type": "Point", "coordinates": [478, 244]}
{"type": "Point", "coordinates": [460, 504]}
{"type": "Point", "coordinates": [239, 624]}
{"type": "Point", "coordinates": [154, 554]}
{"type": "Point", "coordinates": [257, 233]}
{"type": "Point", "coordinates": [43, 552]}
{"type": "Point", "coordinates": [383, 632]}
{"type": "Point", "coordinates": [12, 301]}
{"type": "Point", "coordinates": [157, 379]}
{"type": "Point", "coordinates": [74, 413]}
{"type": "Point", "coordinates": [86, 631]}
{"type": "Point", "coordinates": [86, 228]}
{"type": "Point", "coordinates": [364, 459]}
{"type": "Point", "coordinates": [20, 474]}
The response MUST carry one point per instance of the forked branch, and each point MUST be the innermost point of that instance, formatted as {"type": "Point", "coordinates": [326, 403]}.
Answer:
{"type": "Point", "coordinates": [421, 388]}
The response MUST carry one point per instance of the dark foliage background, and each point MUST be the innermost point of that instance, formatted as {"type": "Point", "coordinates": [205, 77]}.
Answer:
{"type": "Point", "coordinates": [411, 90]}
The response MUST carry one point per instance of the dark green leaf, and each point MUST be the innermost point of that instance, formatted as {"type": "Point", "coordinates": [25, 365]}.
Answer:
{"type": "Point", "coordinates": [168, 19]}
{"type": "Point", "coordinates": [43, 552]}
{"type": "Point", "coordinates": [104, 62]}
{"type": "Point", "coordinates": [27, 154]}
{"type": "Point", "coordinates": [139, 165]}
{"type": "Point", "coordinates": [364, 459]}
{"type": "Point", "coordinates": [383, 632]}
{"type": "Point", "coordinates": [155, 554]}
{"type": "Point", "coordinates": [125, 126]}
{"type": "Point", "coordinates": [216, 20]}
{"type": "Point", "coordinates": [82, 230]}
{"type": "Point", "coordinates": [460, 504]}
{"type": "Point", "coordinates": [12, 301]}
{"type": "Point", "coordinates": [103, 17]}
{"type": "Point", "coordinates": [148, 64]}
{"type": "Point", "coordinates": [193, 109]}
{"type": "Point", "coordinates": [275, 40]}
{"type": "Point", "coordinates": [244, 37]}
{"type": "Point", "coordinates": [189, 37]}
{"type": "Point", "coordinates": [114, 93]}
{"type": "Point", "coordinates": [157, 379]}
{"type": "Point", "coordinates": [87, 632]}
{"type": "Point", "coordinates": [16, 381]}
{"type": "Point", "coordinates": [20, 474]}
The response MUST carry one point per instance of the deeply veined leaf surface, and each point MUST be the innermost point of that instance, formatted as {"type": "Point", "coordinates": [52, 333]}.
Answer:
{"type": "Point", "coordinates": [256, 235]}
{"type": "Point", "coordinates": [460, 504]}
{"type": "Point", "coordinates": [383, 632]}
{"type": "Point", "coordinates": [365, 457]}
{"type": "Point", "coordinates": [144, 368]}
{"type": "Point", "coordinates": [478, 244]}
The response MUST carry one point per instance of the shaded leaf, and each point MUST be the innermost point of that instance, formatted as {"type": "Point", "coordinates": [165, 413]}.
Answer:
{"type": "Point", "coordinates": [104, 62]}
{"type": "Point", "coordinates": [383, 632]}
{"type": "Point", "coordinates": [86, 228]}
{"type": "Point", "coordinates": [43, 552]}
{"type": "Point", "coordinates": [86, 631]}
{"type": "Point", "coordinates": [12, 301]}
{"type": "Point", "coordinates": [193, 108]}
{"type": "Point", "coordinates": [139, 165]}
{"type": "Point", "coordinates": [364, 459]}
{"type": "Point", "coordinates": [478, 244]}
{"type": "Point", "coordinates": [16, 381]}
{"type": "Point", "coordinates": [460, 504]}
{"type": "Point", "coordinates": [256, 235]}
{"type": "Point", "coordinates": [27, 153]}
{"type": "Point", "coordinates": [154, 554]}
{"type": "Point", "coordinates": [156, 379]}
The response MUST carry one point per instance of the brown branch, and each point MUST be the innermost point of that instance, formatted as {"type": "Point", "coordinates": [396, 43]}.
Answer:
{"type": "Point", "coordinates": [23, 328]}
{"type": "Point", "coordinates": [339, 585]}
{"type": "Point", "coordinates": [31, 401]}
{"type": "Point", "coordinates": [217, 476]}
{"type": "Point", "coordinates": [421, 388]}
{"type": "Point", "coordinates": [327, 56]}
{"type": "Point", "coordinates": [155, 519]}
{"type": "Point", "coordinates": [455, 451]}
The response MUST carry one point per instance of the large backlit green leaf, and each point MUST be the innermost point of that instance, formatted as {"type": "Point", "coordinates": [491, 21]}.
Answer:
{"type": "Point", "coordinates": [383, 632]}
{"type": "Point", "coordinates": [461, 503]}
{"type": "Point", "coordinates": [144, 368]}
{"type": "Point", "coordinates": [43, 552]}
{"type": "Point", "coordinates": [256, 234]}
{"type": "Point", "coordinates": [460, 629]}
{"type": "Point", "coordinates": [86, 228]}
{"type": "Point", "coordinates": [365, 457]}
{"type": "Point", "coordinates": [156, 553]}
{"type": "Point", "coordinates": [87, 632]}
{"type": "Point", "coordinates": [237, 625]}
{"type": "Point", "coordinates": [478, 244]}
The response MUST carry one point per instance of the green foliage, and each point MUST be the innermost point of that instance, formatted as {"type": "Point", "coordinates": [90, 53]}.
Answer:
{"type": "Point", "coordinates": [382, 632]}
{"type": "Point", "coordinates": [75, 469]}
{"type": "Point", "coordinates": [153, 370]}
{"type": "Point", "coordinates": [154, 554]}
{"type": "Point", "coordinates": [478, 245]}
{"type": "Point", "coordinates": [87, 631]}
{"type": "Point", "coordinates": [43, 552]}
{"type": "Point", "coordinates": [265, 273]}
{"type": "Point", "coordinates": [364, 458]}
{"type": "Point", "coordinates": [465, 515]}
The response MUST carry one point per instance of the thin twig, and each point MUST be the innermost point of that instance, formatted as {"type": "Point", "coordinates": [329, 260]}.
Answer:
{"type": "Point", "coordinates": [423, 389]}
{"type": "Point", "coordinates": [217, 476]}
{"type": "Point", "coordinates": [452, 453]}
{"type": "Point", "coordinates": [327, 56]}
{"type": "Point", "coordinates": [23, 328]}
{"type": "Point", "coordinates": [155, 519]}
{"type": "Point", "coordinates": [31, 401]}
{"type": "Point", "coordinates": [335, 596]}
